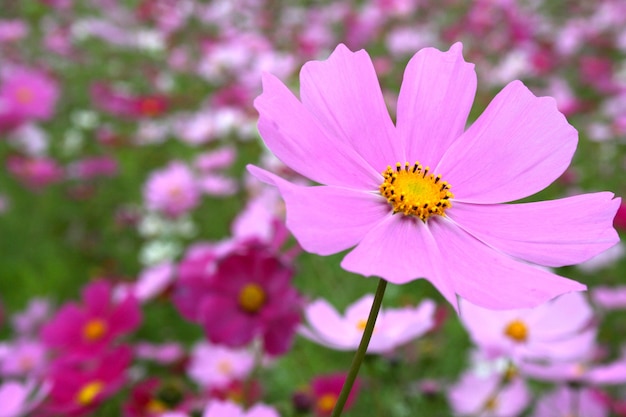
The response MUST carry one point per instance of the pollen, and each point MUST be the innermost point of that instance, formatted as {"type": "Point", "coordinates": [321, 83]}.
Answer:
{"type": "Point", "coordinates": [252, 297]}
{"type": "Point", "coordinates": [89, 392]}
{"type": "Point", "coordinates": [517, 330]}
{"type": "Point", "coordinates": [413, 191]}
{"type": "Point", "coordinates": [94, 329]}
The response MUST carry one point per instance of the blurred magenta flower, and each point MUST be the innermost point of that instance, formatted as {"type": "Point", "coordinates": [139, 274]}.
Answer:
{"type": "Point", "coordinates": [570, 401]}
{"type": "Point", "coordinates": [325, 390]}
{"type": "Point", "coordinates": [28, 93]}
{"type": "Point", "coordinates": [12, 30]}
{"type": "Point", "coordinates": [215, 366]}
{"type": "Point", "coordinates": [35, 173]}
{"type": "Point", "coordinates": [486, 396]}
{"type": "Point", "coordinates": [153, 397]}
{"type": "Point", "coordinates": [172, 190]}
{"type": "Point", "coordinates": [230, 409]}
{"type": "Point", "coordinates": [421, 198]}
{"type": "Point", "coordinates": [89, 328]}
{"type": "Point", "coordinates": [394, 327]}
{"type": "Point", "coordinates": [560, 329]}
{"type": "Point", "coordinates": [245, 294]}
{"type": "Point", "coordinates": [92, 167]}
{"type": "Point", "coordinates": [78, 387]}
{"type": "Point", "coordinates": [24, 358]}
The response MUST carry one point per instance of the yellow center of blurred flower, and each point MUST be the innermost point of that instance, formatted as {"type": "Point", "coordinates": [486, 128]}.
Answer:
{"type": "Point", "coordinates": [89, 392]}
{"type": "Point", "coordinates": [225, 367]}
{"type": "Point", "coordinates": [517, 331]}
{"type": "Point", "coordinates": [491, 404]}
{"type": "Point", "coordinates": [252, 297]}
{"type": "Point", "coordinates": [155, 406]}
{"type": "Point", "coordinates": [360, 325]}
{"type": "Point", "coordinates": [411, 190]}
{"type": "Point", "coordinates": [24, 95]}
{"type": "Point", "coordinates": [94, 329]}
{"type": "Point", "coordinates": [326, 403]}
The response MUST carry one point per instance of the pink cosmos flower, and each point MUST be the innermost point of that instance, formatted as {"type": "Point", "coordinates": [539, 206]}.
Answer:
{"type": "Point", "coordinates": [29, 93]}
{"type": "Point", "coordinates": [164, 354]}
{"type": "Point", "coordinates": [214, 366]}
{"type": "Point", "coordinates": [559, 329]}
{"type": "Point", "coordinates": [230, 409]}
{"type": "Point", "coordinates": [210, 181]}
{"type": "Point", "coordinates": [421, 198]}
{"type": "Point", "coordinates": [566, 402]}
{"type": "Point", "coordinates": [394, 327]}
{"type": "Point", "coordinates": [78, 387]}
{"type": "Point", "coordinates": [172, 190]}
{"type": "Point", "coordinates": [24, 358]}
{"type": "Point", "coordinates": [36, 172]}
{"type": "Point", "coordinates": [479, 396]}
{"type": "Point", "coordinates": [247, 293]}
{"type": "Point", "coordinates": [88, 328]}
{"type": "Point", "coordinates": [609, 298]}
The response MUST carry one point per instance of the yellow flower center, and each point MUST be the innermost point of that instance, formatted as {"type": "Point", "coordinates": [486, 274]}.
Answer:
{"type": "Point", "coordinates": [89, 392]}
{"type": "Point", "coordinates": [360, 325]}
{"type": "Point", "coordinates": [517, 331]}
{"type": "Point", "coordinates": [252, 297]}
{"type": "Point", "coordinates": [225, 367]}
{"type": "Point", "coordinates": [326, 403]}
{"type": "Point", "coordinates": [491, 404]}
{"type": "Point", "coordinates": [24, 95]}
{"type": "Point", "coordinates": [94, 329]}
{"type": "Point", "coordinates": [156, 406]}
{"type": "Point", "coordinates": [411, 190]}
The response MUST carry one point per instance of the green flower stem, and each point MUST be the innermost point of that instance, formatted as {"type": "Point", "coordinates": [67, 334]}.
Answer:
{"type": "Point", "coordinates": [360, 352]}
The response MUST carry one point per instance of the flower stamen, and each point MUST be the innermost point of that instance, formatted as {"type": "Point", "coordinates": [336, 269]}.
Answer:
{"type": "Point", "coordinates": [411, 190]}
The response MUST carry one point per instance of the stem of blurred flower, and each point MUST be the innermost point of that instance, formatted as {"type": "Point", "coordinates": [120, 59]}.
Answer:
{"type": "Point", "coordinates": [362, 349]}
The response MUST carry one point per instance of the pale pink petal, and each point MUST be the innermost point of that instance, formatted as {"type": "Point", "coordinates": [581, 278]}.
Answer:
{"type": "Point", "coordinates": [517, 147]}
{"type": "Point", "coordinates": [489, 278]}
{"type": "Point", "coordinates": [560, 318]}
{"type": "Point", "coordinates": [435, 99]}
{"type": "Point", "coordinates": [552, 233]}
{"type": "Point", "coordinates": [327, 325]}
{"type": "Point", "coordinates": [299, 140]}
{"type": "Point", "coordinates": [327, 220]}
{"type": "Point", "coordinates": [344, 94]}
{"type": "Point", "coordinates": [400, 249]}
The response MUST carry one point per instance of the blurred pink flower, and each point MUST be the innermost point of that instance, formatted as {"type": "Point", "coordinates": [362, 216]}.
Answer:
{"type": "Point", "coordinates": [78, 387]}
{"type": "Point", "coordinates": [609, 298]}
{"type": "Point", "coordinates": [28, 93]}
{"type": "Point", "coordinates": [586, 371]}
{"type": "Point", "coordinates": [566, 402]}
{"type": "Point", "coordinates": [165, 353]}
{"type": "Point", "coordinates": [230, 409]}
{"type": "Point", "coordinates": [210, 181]}
{"type": "Point", "coordinates": [12, 30]}
{"type": "Point", "coordinates": [19, 398]}
{"type": "Point", "coordinates": [246, 293]}
{"type": "Point", "coordinates": [559, 329]}
{"type": "Point", "coordinates": [27, 322]}
{"type": "Point", "coordinates": [153, 397]}
{"type": "Point", "coordinates": [214, 366]}
{"type": "Point", "coordinates": [92, 167]}
{"type": "Point", "coordinates": [126, 105]}
{"type": "Point", "coordinates": [394, 327]}
{"type": "Point", "coordinates": [463, 240]}
{"type": "Point", "coordinates": [172, 190]}
{"type": "Point", "coordinates": [35, 173]}
{"type": "Point", "coordinates": [24, 358]}
{"type": "Point", "coordinates": [91, 327]}
{"type": "Point", "coordinates": [480, 396]}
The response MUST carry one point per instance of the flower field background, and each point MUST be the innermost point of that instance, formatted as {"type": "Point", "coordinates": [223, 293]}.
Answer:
{"type": "Point", "coordinates": [125, 131]}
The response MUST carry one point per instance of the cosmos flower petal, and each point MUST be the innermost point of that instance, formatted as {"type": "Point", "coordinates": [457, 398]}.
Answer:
{"type": "Point", "coordinates": [435, 99]}
{"type": "Point", "coordinates": [551, 233]}
{"type": "Point", "coordinates": [517, 147]}
{"type": "Point", "coordinates": [344, 94]}
{"type": "Point", "coordinates": [321, 217]}
{"type": "Point", "coordinates": [300, 141]}
{"type": "Point", "coordinates": [399, 250]}
{"type": "Point", "coordinates": [491, 279]}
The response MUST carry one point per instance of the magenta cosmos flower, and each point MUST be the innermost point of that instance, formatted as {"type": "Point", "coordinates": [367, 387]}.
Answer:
{"type": "Point", "coordinates": [422, 198]}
